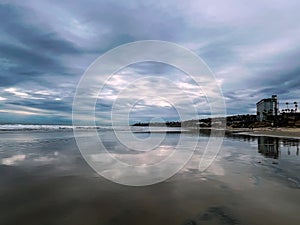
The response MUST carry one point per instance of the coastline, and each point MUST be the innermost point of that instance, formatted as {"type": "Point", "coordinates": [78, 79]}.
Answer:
{"type": "Point", "coordinates": [280, 132]}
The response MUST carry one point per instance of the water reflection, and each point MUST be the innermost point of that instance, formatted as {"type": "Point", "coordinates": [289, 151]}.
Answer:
{"type": "Point", "coordinates": [272, 147]}
{"type": "Point", "coordinates": [291, 145]}
{"type": "Point", "coordinates": [268, 146]}
{"type": "Point", "coordinates": [46, 170]}
{"type": "Point", "coordinates": [13, 159]}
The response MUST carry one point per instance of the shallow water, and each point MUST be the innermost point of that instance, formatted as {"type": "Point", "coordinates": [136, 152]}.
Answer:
{"type": "Point", "coordinates": [44, 180]}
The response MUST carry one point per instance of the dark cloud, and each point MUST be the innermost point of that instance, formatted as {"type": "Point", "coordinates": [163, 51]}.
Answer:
{"type": "Point", "coordinates": [28, 58]}
{"type": "Point", "coordinates": [33, 50]}
{"type": "Point", "coordinates": [49, 105]}
{"type": "Point", "coordinates": [38, 38]}
{"type": "Point", "coordinates": [44, 45]}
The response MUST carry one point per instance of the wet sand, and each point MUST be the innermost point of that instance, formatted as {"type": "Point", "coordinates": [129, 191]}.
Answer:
{"type": "Point", "coordinates": [273, 132]}
{"type": "Point", "coordinates": [44, 180]}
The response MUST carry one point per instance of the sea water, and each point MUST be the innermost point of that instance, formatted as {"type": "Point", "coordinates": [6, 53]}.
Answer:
{"type": "Point", "coordinates": [45, 180]}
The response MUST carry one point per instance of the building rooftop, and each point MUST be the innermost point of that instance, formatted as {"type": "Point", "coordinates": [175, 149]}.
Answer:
{"type": "Point", "coordinates": [274, 98]}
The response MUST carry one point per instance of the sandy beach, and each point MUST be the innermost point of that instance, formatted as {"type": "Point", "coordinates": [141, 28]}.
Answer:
{"type": "Point", "coordinates": [270, 131]}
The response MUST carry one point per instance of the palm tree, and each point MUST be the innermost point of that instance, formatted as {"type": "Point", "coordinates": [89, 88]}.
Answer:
{"type": "Point", "coordinates": [296, 106]}
{"type": "Point", "coordinates": [287, 105]}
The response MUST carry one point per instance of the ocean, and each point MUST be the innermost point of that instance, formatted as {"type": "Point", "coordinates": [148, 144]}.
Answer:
{"type": "Point", "coordinates": [44, 179]}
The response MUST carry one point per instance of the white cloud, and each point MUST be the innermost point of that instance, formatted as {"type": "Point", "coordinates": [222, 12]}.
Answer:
{"type": "Point", "coordinates": [16, 92]}
{"type": "Point", "coordinates": [21, 94]}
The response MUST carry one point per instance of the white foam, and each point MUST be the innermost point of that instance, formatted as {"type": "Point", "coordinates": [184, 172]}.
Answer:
{"type": "Point", "coordinates": [42, 127]}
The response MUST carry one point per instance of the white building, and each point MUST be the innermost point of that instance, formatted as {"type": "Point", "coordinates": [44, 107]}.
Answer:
{"type": "Point", "coordinates": [266, 107]}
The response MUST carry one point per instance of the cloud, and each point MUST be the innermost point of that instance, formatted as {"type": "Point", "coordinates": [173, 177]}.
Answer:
{"type": "Point", "coordinates": [253, 49]}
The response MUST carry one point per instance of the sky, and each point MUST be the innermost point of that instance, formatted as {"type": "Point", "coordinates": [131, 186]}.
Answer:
{"type": "Point", "coordinates": [252, 47]}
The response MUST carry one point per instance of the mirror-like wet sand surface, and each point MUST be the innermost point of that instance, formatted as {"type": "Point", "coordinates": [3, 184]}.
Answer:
{"type": "Point", "coordinates": [44, 180]}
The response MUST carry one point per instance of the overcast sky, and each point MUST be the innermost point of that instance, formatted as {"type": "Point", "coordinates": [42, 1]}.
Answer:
{"type": "Point", "coordinates": [252, 47]}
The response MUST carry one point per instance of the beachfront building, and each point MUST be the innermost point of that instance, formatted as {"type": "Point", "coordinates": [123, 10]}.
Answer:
{"type": "Point", "coordinates": [267, 107]}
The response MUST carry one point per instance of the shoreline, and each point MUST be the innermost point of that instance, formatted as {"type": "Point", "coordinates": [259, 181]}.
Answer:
{"type": "Point", "coordinates": [281, 132]}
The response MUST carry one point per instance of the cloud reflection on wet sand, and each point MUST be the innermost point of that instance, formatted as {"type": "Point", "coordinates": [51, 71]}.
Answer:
{"type": "Point", "coordinates": [46, 181]}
